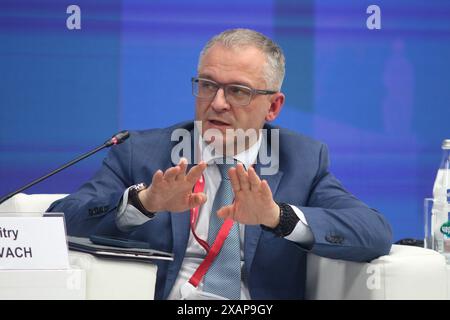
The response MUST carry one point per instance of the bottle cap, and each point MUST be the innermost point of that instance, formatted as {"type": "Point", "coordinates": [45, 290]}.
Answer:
{"type": "Point", "coordinates": [446, 144]}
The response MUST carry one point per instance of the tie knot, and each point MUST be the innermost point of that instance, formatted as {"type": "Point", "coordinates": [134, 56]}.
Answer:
{"type": "Point", "coordinates": [225, 166]}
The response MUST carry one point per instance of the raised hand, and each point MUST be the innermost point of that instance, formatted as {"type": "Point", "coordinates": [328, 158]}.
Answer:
{"type": "Point", "coordinates": [172, 190]}
{"type": "Point", "coordinates": [253, 201]}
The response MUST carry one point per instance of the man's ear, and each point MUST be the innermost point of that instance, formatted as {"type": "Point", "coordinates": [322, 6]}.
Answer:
{"type": "Point", "coordinates": [277, 101]}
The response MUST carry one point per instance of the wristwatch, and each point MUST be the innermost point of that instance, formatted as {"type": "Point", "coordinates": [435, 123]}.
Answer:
{"type": "Point", "coordinates": [288, 221]}
{"type": "Point", "coordinates": [133, 199]}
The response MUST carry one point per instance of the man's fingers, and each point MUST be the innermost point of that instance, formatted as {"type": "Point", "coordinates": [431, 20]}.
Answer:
{"type": "Point", "coordinates": [157, 178]}
{"type": "Point", "coordinates": [196, 171]}
{"type": "Point", "coordinates": [253, 179]}
{"type": "Point", "coordinates": [226, 212]}
{"type": "Point", "coordinates": [234, 180]}
{"type": "Point", "coordinates": [197, 199]}
{"type": "Point", "coordinates": [183, 166]}
{"type": "Point", "coordinates": [243, 177]}
{"type": "Point", "coordinates": [266, 189]}
{"type": "Point", "coordinates": [171, 173]}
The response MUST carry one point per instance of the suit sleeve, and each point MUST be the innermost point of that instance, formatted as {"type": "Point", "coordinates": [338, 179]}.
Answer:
{"type": "Point", "coordinates": [343, 226]}
{"type": "Point", "coordinates": [93, 208]}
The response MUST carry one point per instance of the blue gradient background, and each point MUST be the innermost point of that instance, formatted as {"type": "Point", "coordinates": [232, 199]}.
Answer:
{"type": "Point", "coordinates": [380, 99]}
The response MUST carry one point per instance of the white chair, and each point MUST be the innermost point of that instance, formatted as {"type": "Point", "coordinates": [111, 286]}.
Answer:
{"type": "Point", "coordinates": [103, 278]}
{"type": "Point", "coordinates": [406, 273]}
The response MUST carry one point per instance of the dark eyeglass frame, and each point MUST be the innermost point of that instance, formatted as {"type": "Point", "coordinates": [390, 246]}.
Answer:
{"type": "Point", "coordinates": [253, 91]}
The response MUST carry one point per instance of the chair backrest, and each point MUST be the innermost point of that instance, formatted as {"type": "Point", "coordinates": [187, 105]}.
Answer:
{"type": "Point", "coordinates": [22, 203]}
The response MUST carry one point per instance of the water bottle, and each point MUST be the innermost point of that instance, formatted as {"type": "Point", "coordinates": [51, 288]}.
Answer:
{"type": "Point", "coordinates": [441, 207]}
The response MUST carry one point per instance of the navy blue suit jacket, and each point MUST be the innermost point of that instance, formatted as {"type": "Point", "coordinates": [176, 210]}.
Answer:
{"type": "Point", "coordinates": [275, 268]}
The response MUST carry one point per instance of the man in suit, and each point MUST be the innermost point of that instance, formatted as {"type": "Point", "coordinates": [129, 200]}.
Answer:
{"type": "Point", "coordinates": [275, 212]}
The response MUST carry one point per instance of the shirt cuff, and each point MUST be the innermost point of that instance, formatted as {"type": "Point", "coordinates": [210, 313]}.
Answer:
{"type": "Point", "coordinates": [128, 216]}
{"type": "Point", "coordinates": [302, 233]}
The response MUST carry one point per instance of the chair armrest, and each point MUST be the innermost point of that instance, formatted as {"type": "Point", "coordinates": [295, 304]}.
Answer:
{"type": "Point", "coordinates": [29, 202]}
{"type": "Point", "coordinates": [115, 279]}
{"type": "Point", "coordinates": [104, 278]}
{"type": "Point", "coordinates": [406, 273]}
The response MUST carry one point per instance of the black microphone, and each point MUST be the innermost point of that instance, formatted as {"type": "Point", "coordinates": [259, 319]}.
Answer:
{"type": "Point", "coordinates": [116, 139]}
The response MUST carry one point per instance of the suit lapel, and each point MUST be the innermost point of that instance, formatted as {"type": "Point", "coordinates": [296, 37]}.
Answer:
{"type": "Point", "coordinates": [180, 236]}
{"type": "Point", "coordinates": [180, 233]}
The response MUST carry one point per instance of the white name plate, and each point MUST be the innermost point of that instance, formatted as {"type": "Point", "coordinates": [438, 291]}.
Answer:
{"type": "Point", "coordinates": [33, 243]}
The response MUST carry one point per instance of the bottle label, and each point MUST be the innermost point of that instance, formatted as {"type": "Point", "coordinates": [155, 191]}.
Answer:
{"type": "Point", "coordinates": [445, 229]}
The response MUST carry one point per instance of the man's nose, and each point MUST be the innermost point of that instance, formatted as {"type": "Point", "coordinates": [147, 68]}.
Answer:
{"type": "Point", "coordinates": [219, 103]}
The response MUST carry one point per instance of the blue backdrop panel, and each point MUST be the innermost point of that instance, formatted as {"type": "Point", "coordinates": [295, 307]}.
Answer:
{"type": "Point", "coordinates": [378, 98]}
{"type": "Point", "coordinates": [59, 89]}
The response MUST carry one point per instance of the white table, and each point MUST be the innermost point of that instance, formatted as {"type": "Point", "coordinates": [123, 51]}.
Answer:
{"type": "Point", "coordinates": [43, 284]}
{"type": "Point", "coordinates": [88, 278]}
{"type": "Point", "coordinates": [115, 279]}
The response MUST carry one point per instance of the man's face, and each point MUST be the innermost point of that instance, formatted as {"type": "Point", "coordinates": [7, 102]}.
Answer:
{"type": "Point", "coordinates": [242, 66]}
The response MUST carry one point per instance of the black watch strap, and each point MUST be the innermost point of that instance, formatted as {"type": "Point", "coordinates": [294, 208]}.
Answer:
{"type": "Point", "coordinates": [288, 221]}
{"type": "Point", "coordinates": [133, 199]}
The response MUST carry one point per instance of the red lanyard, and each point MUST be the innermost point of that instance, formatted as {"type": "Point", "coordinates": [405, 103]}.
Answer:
{"type": "Point", "coordinates": [212, 251]}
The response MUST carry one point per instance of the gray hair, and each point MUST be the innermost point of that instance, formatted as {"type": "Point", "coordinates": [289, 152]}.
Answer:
{"type": "Point", "coordinates": [236, 38]}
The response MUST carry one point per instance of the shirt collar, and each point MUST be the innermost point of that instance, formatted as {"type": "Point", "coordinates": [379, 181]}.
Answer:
{"type": "Point", "coordinates": [246, 157]}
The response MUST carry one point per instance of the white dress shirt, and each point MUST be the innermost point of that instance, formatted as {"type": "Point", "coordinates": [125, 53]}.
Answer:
{"type": "Point", "coordinates": [129, 217]}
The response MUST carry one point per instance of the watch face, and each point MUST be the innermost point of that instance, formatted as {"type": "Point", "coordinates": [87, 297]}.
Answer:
{"type": "Point", "coordinates": [139, 187]}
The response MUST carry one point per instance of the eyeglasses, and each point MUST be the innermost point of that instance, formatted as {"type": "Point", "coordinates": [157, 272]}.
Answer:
{"type": "Point", "coordinates": [235, 94]}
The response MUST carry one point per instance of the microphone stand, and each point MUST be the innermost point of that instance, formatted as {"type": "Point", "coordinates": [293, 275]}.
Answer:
{"type": "Point", "coordinates": [113, 141]}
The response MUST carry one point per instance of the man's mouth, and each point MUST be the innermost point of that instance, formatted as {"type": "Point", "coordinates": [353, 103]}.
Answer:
{"type": "Point", "coordinates": [218, 123]}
